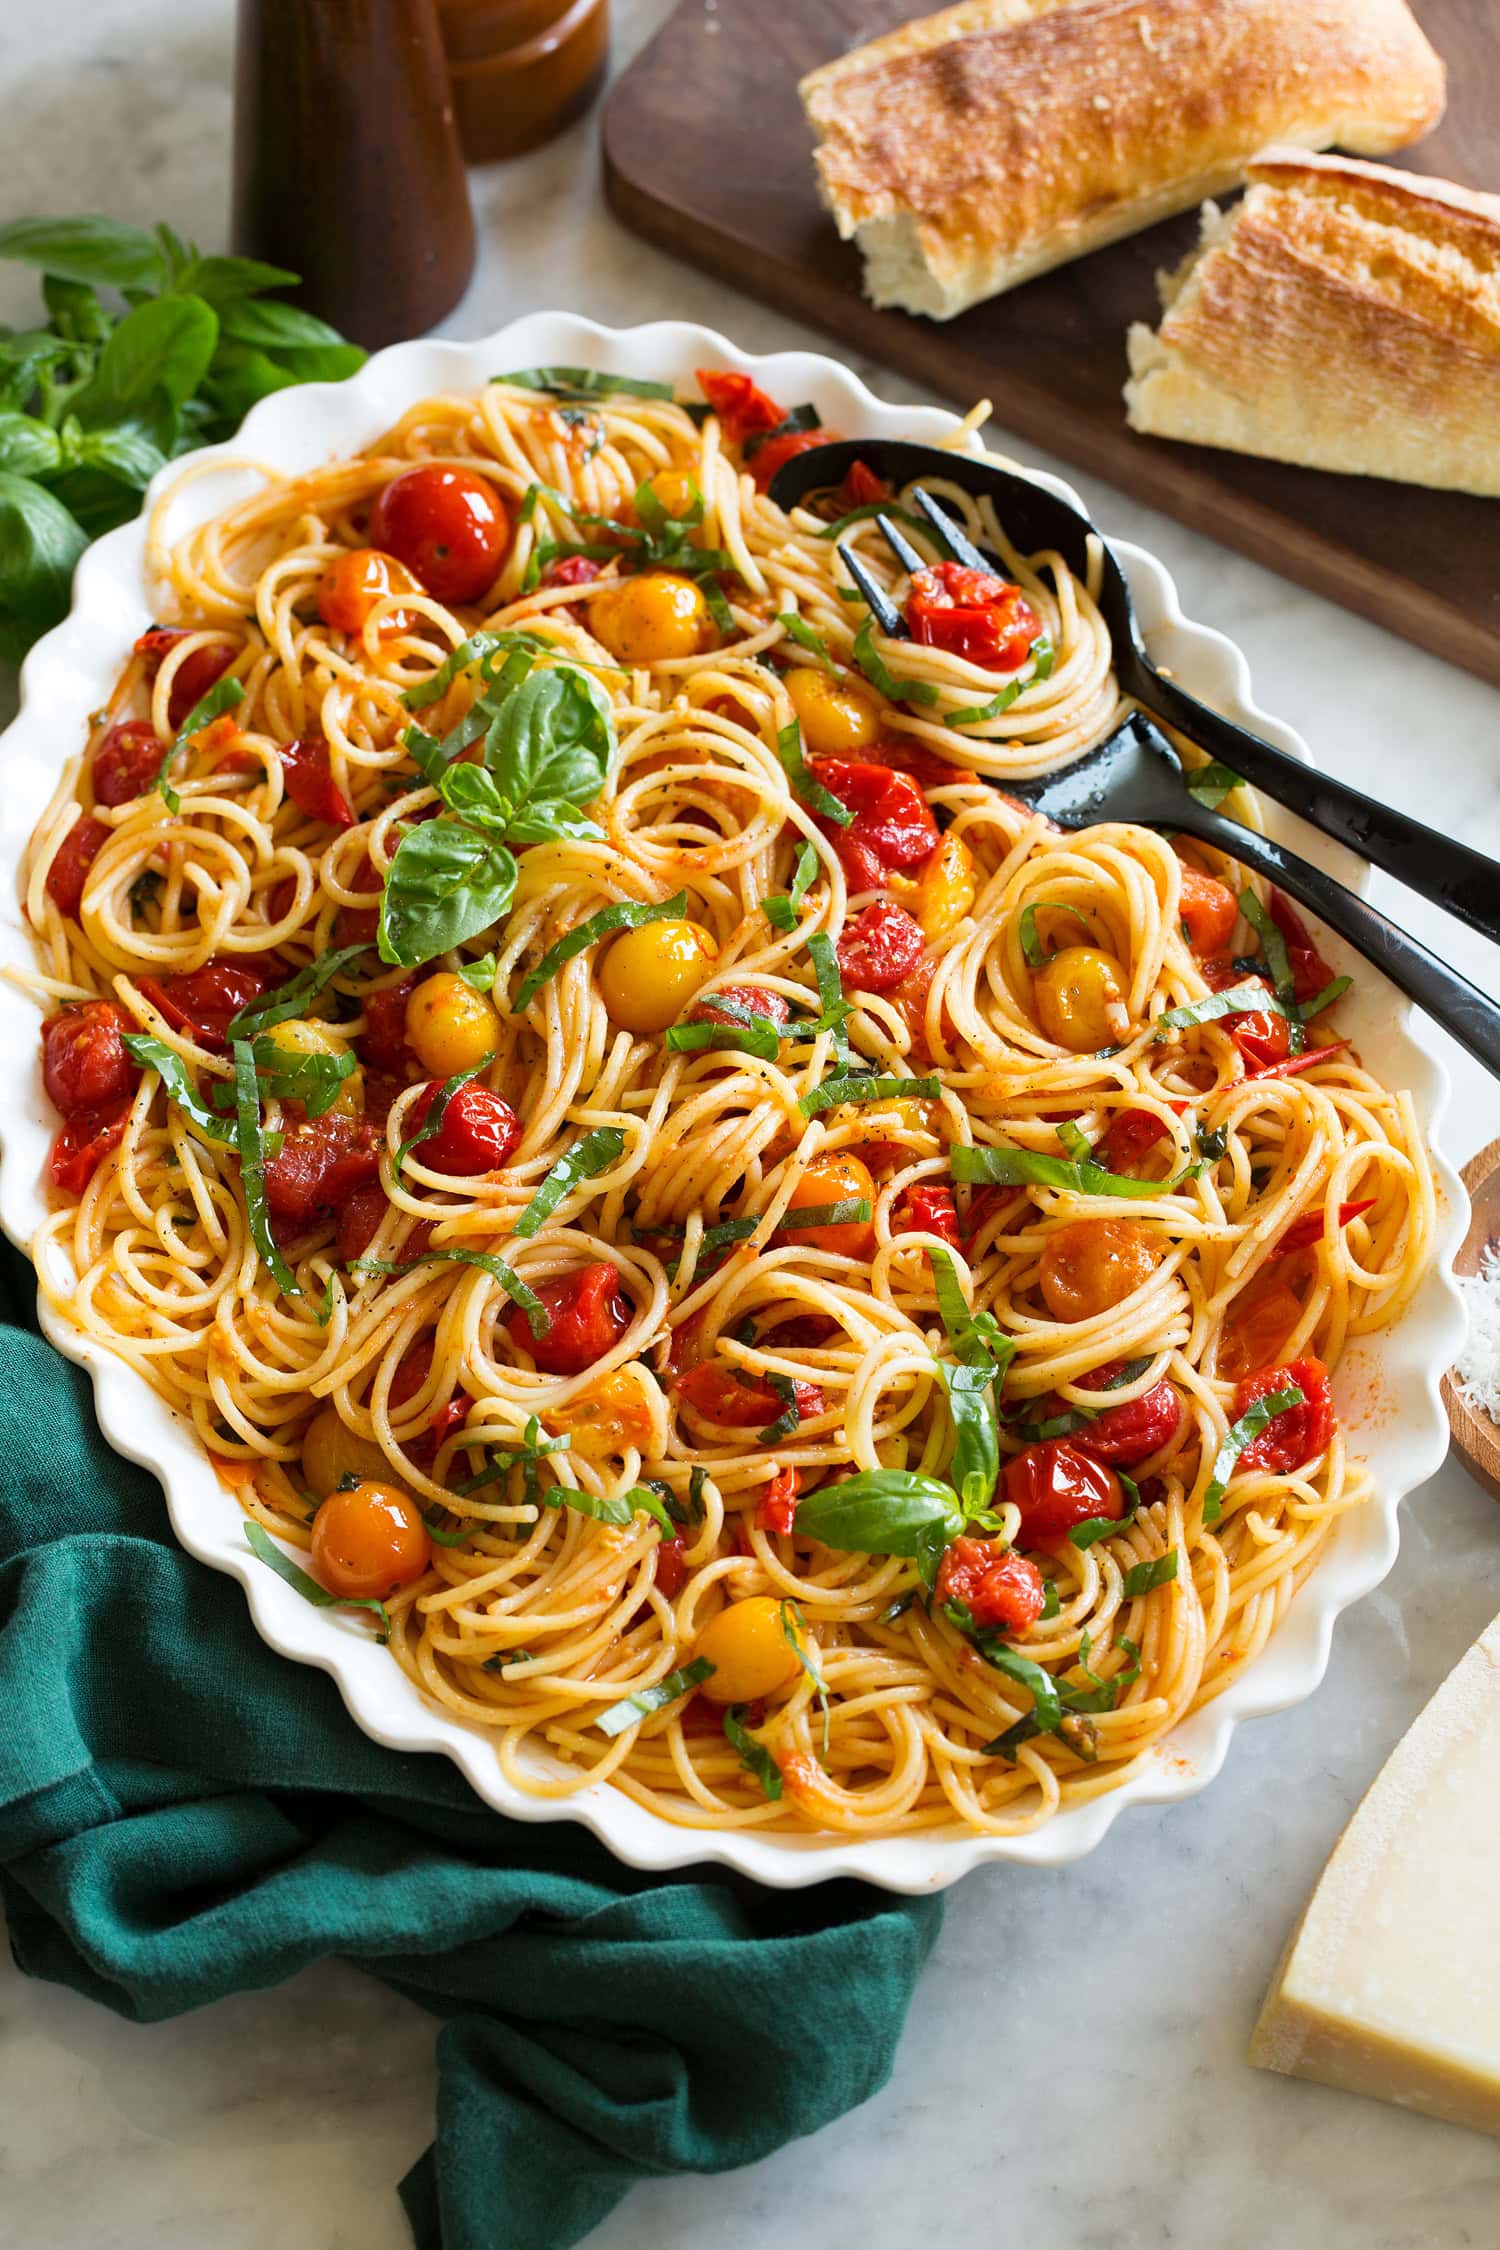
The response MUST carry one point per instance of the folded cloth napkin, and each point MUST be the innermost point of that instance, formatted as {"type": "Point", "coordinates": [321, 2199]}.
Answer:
{"type": "Point", "coordinates": [184, 1814]}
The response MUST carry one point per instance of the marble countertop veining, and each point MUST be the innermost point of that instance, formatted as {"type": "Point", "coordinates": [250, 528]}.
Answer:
{"type": "Point", "coordinates": [1073, 2075]}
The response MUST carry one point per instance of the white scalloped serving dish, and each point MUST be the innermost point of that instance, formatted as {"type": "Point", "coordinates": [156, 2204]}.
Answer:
{"type": "Point", "coordinates": [1387, 1386]}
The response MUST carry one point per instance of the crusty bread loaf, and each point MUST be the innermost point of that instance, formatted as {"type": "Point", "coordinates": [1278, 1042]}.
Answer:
{"type": "Point", "coordinates": [978, 147]}
{"type": "Point", "coordinates": [1344, 316]}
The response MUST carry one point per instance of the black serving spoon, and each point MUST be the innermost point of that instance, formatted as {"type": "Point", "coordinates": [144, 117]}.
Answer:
{"type": "Point", "coordinates": [1440, 868]}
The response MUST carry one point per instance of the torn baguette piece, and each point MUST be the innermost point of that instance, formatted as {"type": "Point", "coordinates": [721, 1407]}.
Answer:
{"type": "Point", "coordinates": [976, 148]}
{"type": "Point", "coordinates": [1343, 316]}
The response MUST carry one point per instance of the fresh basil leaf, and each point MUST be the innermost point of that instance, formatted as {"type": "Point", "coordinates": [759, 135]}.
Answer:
{"type": "Point", "coordinates": [626, 914]}
{"type": "Point", "coordinates": [40, 541]}
{"type": "Point", "coordinates": [617, 1508]}
{"type": "Point", "coordinates": [1212, 1144]}
{"type": "Point", "coordinates": [479, 975]}
{"type": "Point", "coordinates": [808, 791]}
{"type": "Point", "coordinates": [291, 999]}
{"type": "Point", "coordinates": [226, 694]}
{"type": "Point", "coordinates": [850, 1210]}
{"type": "Point", "coordinates": [835, 1009]}
{"type": "Point", "coordinates": [472, 651]}
{"type": "Point", "coordinates": [1095, 1528]}
{"type": "Point", "coordinates": [216, 280]}
{"type": "Point", "coordinates": [1278, 963]}
{"type": "Point", "coordinates": [439, 1533]}
{"type": "Point", "coordinates": [863, 1086]}
{"type": "Point", "coordinates": [803, 634]}
{"type": "Point", "coordinates": [102, 253]}
{"type": "Point", "coordinates": [533, 1448]}
{"type": "Point", "coordinates": [1046, 1706]}
{"type": "Point", "coordinates": [975, 1467]}
{"type": "Point", "coordinates": [593, 1154]}
{"type": "Point", "coordinates": [880, 1512]}
{"type": "Point", "coordinates": [447, 884]}
{"type": "Point", "coordinates": [880, 675]}
{"type": "Point", "coordinates": [28, 447]}
{"type": "Point", "coordinates": [239, 378]}
{"type": "Point", "coordinates": [154, 1054]}
{"type": "Point", "coordinates": [1024, 1167]}
{"type": "Point", "coordinates": [474, 795]}
{"type": "Point", "coordinates": [1051, 1606]}
{"type": "Point", "coordinates": [1325, 999]}
{"type": "Point", "coordinates": [161, 350]}
{"type": "Point", "coordinates": [1031, 944]}
{"type": "Point", "coordinates": [251, 1149]}
{"type": "Point", "coordinates": [640, 1706]}
{"type": "Point", "coordinates": [1234, 1000]}
{"type": "Point", "coordinates": [1145, 1577]}
{"type": "Point", "coordinates": [1212, 783]}
{"type": "Point", "coordinates": [977, 714]}
{"type": "Point", "coordinates": [262, 1545]}
{"type": "Point", "coordinates": [321, 363]}
{"type": "Point", "coordinates": [548, 819]}
{"type": "Point", "coordinates": [516, 1289]}
{"type": "Point", "coordinates": [782, 913]}
{"type": "Point", "coordinates": [1055, 1425]}
{"type": "Point", "coordinates": [715, 1239]}
{"type": "Point", "coordinates": [978, 1340]}
{"type": "Point", "coordinates": [754, 1756]}
{"type": "Point", "coordinates": [753, 1037]}
{"type": "Point", "coordinates": [127, 452]}
{"type": "Point", "coordinates": [272, 326]}
{"type": "Point", "coordinates": [1240, 1434]}
{"type": "Point", "coordinates": [314, 1080]}
{"type": "Point", "coordinates": [554, 739]}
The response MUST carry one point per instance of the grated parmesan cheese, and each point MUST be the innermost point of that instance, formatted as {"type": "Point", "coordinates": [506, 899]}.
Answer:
{"type": "Point", "coordinates": [1478, 1364]}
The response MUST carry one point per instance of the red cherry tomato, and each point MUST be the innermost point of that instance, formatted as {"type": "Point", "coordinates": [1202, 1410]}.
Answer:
{"type": "Point", "coordinates": [68, 875]}
{"type": "Point", "coordinates": [308, 780]}
{"type": "Point", "coordinates": [82, 1145]}
{"type": "Point", "coordinates": [1310, 972]}
{"type": "Point", "coordinates": [927, 1209]}
{"type": "Point", "coordinates": [924, 767]}
{"type": "Point", "coordinates": [479, 1132]}
{"type": "Point", "coordinates": [359, 1223]}
{"type": "Point", "coordinates": [450, 528]}
{"type": "Point", "coordinates": [892, 826]}
{"type": "Point", "coordinates": [768, 458]}
{"type": "Point", "coordinates": [1055, 1486]}
{"type": "Point", "coordinates": [739, 1402]}
{"type": "Point", "coordinates": [1208, 911]}
{"type": "Point", "coordinates": [587, 1313]}
{"type": "Point", "coordinates": [194, 676]}
{"type": "Point", "coordinates": [671, 1573]}
{"type": "Point", "coordinates": [573, 570]}
{"type": "Point", "coordinates": [742, 406]}
{"type": "Point", "coordinates": [879, 948]}
{"type": "Point", "coordinates": [776, 1509]}
{"type": "Point", "coordinates": [359, 925]}
{"type": "Point", "coordinates": [382, 1043]}
{"type": "Point", "coordinates": [973, 614]}
{"type": "Point", "coordinates": [84, 1063]}
{"type": "Point", "coordinates": [321, 1164]}
{"type": "Point", "coordinates": [860, 488]}
{"type": "Point", "coordinates": [126, 762]}
{"type": "Point", "coordinates": [1299, 1433]}
{"type": "Point", "coordinates": [1261, 1035]}
{"type": "Point", "coordinates": [1131, 1134]}
{"type": "Point", "coordinates": [752, 998]}
{"type": "Point", "coordinates": [1131, 1433]}
{"type": "Point", "coordinates": [202, 1001]}
{"type": "Point", "coordinates": [1001, 1590]}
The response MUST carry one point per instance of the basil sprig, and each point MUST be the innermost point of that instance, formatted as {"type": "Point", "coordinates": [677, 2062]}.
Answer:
{"type": "Point", "coordinates": [1237, 1437]}
{"type": "Point", "coordinates": [225, 695]}
{"type": "Point", "coordinates": [292, 998]}
{"type": "Point", "coordinates": [633, 1708]}
{"type": "Point", "coordinates": [262, 1545]}
{"type": "Point", "coordinates": [251, 1149]}
{"type": "Point", "coordinates": [805, 788]}
{"type": "Point", "coordinates": [626, 914]}
{"type": "Point", "coordinates": [781, 912]}
{"type": "Point", "coordinates": [1024, 1167]}
{"type": "Point", "coordinates": [584, 1161]}
{"type": "Point", "coordinates": [865, 1086]}
{"type": "Point", "coordinates": [514, 1287]}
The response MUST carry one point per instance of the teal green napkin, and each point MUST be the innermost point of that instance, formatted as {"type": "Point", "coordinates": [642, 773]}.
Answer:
{"type": "Point", "coordinates": [184, 1813]}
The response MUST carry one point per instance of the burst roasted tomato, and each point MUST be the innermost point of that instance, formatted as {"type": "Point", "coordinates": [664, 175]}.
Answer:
{"type": "Point", "coordinates": [68, 875]}
{"type": "Point", "coordinates": [928, 1208]}
{"type": "Point", "coordinates": [1256, 1326]}
{"type": "Point", "coordinates": [359, 1223]}
{"type": "Point", "coordinates": [973, 614]}
{"type": "Point", "coordinates": [1208, 911]}
{"type": "Point", "coordinates": [194, 676]}
{"type": "Point", "coordinates": [84, 1063]}
{"type": "Point", "coordinates": [1131, 1433]}
{"type": "Point", "coordinates": [1310, 972]}
{"type": "Point", "coordinates": [587, 1313]}
{"type": "Point", "coordinates": [1055, 1487]}
{"type": "Point", "coordinates": [1002, 1591]}
{"type": "Point", "coordinates": [752, 999]}
{"type": "Point", "coordinates": [776, 451]}
{"type": "Point", "coordinates": [1261, 1035]}
{"type": "Point", "coordinates": [322, 1163]}
{"type": "Point", "coordinates": [479, 1132]}
{"type": "Point", "coordinates": [924, 767]}
{"type": "Point", "coordinates": [860, 488]}
{"type": "Point", "coordinates": [1131, 1134]}
{"type": "Point", "coordinates": [739, 1402]}
{"type": "Point", "coordinates": [1299, 1433]}
{"type": "Point", "coordinates": [308, 779]}
{"type": "Point", "coordinates": [776, 1509]}
{"type": "Point", "coordinates": [82, 1145]}
{"type": "Point", "coordinates": [203, 1001]}
{"type": "Point", "coordinates": [743, 407]}
{"type": "Point", "coordinates": [450, 527]}
{"type": "Point", "coordinates": [572, 570]}
{"type": "Point", "coordinates": [879, 949]}
{"type": "Point", "coordinates": [892, 829]}
{"type": "Point", "coordinates": [671, 1573]}
{"type": "Point", "coordinates": [126, 762]}
{"type": "Point", "coordinates": [383, 1042]}
{"type": "Point", "coordinates": [355, 581]}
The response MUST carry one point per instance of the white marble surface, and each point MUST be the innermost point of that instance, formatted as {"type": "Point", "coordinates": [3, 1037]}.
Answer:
{"type": "Point", "coordinates": [1073, 2076]}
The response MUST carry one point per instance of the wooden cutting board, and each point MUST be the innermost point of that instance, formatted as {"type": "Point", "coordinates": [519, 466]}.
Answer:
{"type": "Point", "coordinates": [707, 152]}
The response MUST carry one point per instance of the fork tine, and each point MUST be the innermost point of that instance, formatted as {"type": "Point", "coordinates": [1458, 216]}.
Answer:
{"type": "Point", "coordinates": [901, 547]}
{"type": "Point", "coordinates": [882, 608]}
{"type": "Point", "coordinates": [959, 547]}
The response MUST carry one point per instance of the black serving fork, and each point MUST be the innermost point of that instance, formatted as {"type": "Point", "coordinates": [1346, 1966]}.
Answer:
{"type": "Point", "coordinates": [1451, 874]}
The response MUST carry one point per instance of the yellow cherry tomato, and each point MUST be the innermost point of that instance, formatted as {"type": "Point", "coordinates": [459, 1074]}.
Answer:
{"type": "Point", "coordinates": [1092, 1264]}
{"type": "Point", "coordinates": [676, 490]}
{"type": "Point", "coordinates": [750, 1654]}
{"type": "Point", "coordinates": [301, 1037]}
{"type": "Point", "coordinates": [835, 1178]}
{"type": "Point", "coordinates": [836, 717]}
{"type": "Point", "coordinates": [648, 976]}
{"type": "Point", "coordinates": [612, 1415]}
{"type": "Point", "coordinates": [943, 893]}
{"type": "Point", "coordinates": [1080, 1000]}
{"type": "Point", "coordinates": [652, 618]}
{"type": "Point", "coordinates": [332, 1451]}
{"type": "Point", "coordinates": [368, 1541]}
{"type": "Point", "coordinates": [450, 1026]}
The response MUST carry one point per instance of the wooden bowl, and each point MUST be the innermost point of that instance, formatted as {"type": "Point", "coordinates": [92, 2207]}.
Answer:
{"type": "Point", "coordinates": [1475, 1437]}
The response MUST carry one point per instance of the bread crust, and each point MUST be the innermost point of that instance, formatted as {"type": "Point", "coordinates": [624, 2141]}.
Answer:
{"type": "Point", "coordinates": [1344, 316]}
{"type": "Point", "coordinates": [978, 147]}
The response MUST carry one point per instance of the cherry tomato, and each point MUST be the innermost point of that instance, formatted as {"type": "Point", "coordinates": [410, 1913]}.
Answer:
{"type": "Point", "coordinates": [194, 676]}
{"type": "Point", "coordinates": [1304, 1232]}
{"type": "Point", "coordinates": [1258, 1323]}
{"type": "Point", "coordinates": [1208, 911]}
{"type": "Point", "coordinates": [322, 1162]}
{"type": "Point", "coordinates": [920, 765]}
{"type": "Point", "coordinates": [383, 1042]}
{"type": "Point", "coordinates": [973, 614]}
{"type": "Point", "coordinates": [68, 875]}
{"type": "Point", "coordinates": [368, 1541]}
{"type": "Point", "coordinates": [910, 1000]}
{"type": "Point", "coordinates": [833, 1178]}
{"type": "Point", "coordinates": [126, 762]}
{"type": "Point", "coordinates": [572, 570]}
{"type": "Point", "coordinates": [587, 1313]}
{"type": "Point", "coordinates": [1310, 972]}
{"type": "Point", "coordinates": [450, 527]}
{"type": "Point", "coordinates": [892, 826]}
{"type": "Point", "coordinates": [1299, 1433]}
{"type": "Point", "coordinates": [742, 406]}
{"type": "Point", "coordinates": [359, 1223]}
{"type": "Point", "coordinates": [1261, 1035]}
{"type": "Point", "coordinates": [752, 998]}
{"type": "Point", "coordinates": [671, 1573]}
{"type": "Point", "coordinates": [1055, 1487]}
{"type": "Point", "coordinates": [81, 1147]}
{"type": "Point", "coordinates": [354, 582]}
{"type": "Point", "coordinates": [84, 1063]}
{"type": "Point", "coordinates": [1000, 1589]}
{"type": "Point", "coordinates": [776, 1509]}
{"type": "Point", "coordinates": [1092, 1264]}
{"type": "Point", "coordinates": [308, 779]}
{"type": "Point", "coordinates": [928, 1209]}
{"type": "Point", "coordinates": [771, 456]}
{"type": "Point", "coordinates": [738, 1402]}
{"type": "Point", "coordinates": [1132, 1432]}
{"type": "Point", "coordinates": [860, 488]}
{"type": "Point", "coordinates": [879, 949]}
{"type": "Point", "coordinates": [202, 1001]}
{"type": "Point", "coordinates": [479, 1132]}
{"type": "Point", "coordinates": [1131, 1134]}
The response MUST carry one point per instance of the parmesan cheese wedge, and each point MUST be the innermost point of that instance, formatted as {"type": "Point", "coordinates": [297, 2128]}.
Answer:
{"type": "Point", "coordinates": [1391, 1983]}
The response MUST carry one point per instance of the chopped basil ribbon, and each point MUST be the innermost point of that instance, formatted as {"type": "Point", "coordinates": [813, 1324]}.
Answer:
{"type": "Point", "coordinates": [977, 1338]}
{"type": "Point", "coordinates": [754, 1756]}
{"type": "Point", "coordinates": [809, 791]}
{"type": "Point", "coordinates": [314, 1080]}
{"type": "Point", "coordinates": [835, 1009]}
{"type": "Point", "coordinates": [626, 914]}
{"type": "Point", "coordinates": [1132, 1494]}
{"type": "Point", "coordinates": [584, 1161]}
{"type": "Point", "coordinates": [1102, 1695]}
{"type": "Point", "coordinates": [432, 1123]}
{"type": "Point", "coordinates": [781, 913]}
{"type": "Point", "coordinates": [224, 695]}
{"type": "Point", "coordinates": [291, 999]}
{"type": "Point", "coordinates": [528, 1300]}
{"type": "Point", "coordinates": [1145, 1577]}
{"type": "Point", "coordinates": [583, 382]}
{"type": "Point", "coordinates": [1055, 1426]}
{"type": "Point", "coordinates": [714, 1239]}
{"type": "Point", "coordinates": [1050, 1603]}
{"type": "Point", "coordinates": [794, 1632]}
{"type": "Point", "coordinates": [1031, 944]}
{"type": "Point", "coordinates": [1240, 1434]}
{"type": "Point", "coordinates": [790, 1416]}
{"type": "Point", "coordinates": [639, 1706]}
{"type": "Point", "coordinates": [1235, 1000]}
{"type": "Point", "coordinates": [1024, 1167]}
{"type": "Point", "coordinates": [261, 1544]}
{"type": "Point", "coordinates": [154, 1054]}
{"type": "Point", "coordinates": [862, 1086]}
{"type": "Point", "coordinates": [1095, 1528]}
{"type": "Point", "coordinates": [1046, 1710]}
{"type": "Point", "coordinates": [851, 1210]}
{"type": "Point", "coordinates": [525, 1456]}
{"type": "Point", "coordinates": [479, 975]}
{"type": "Point", "coordinates": [880, 675]}
{"type": "Point", "coordinates": [1043, 656]}
{"type": "Point", "coordinates": [869, 508]}
{"type": "Point", "coordinates": [251, 1149]}
{"type": "Point", "coordinates": [1278, 962]}
{"type": "Point", "coordinates": [445, 1538]}
{"type": "Point", "coordinates": [975, 1466]}
{"type": "Point", "coordinates": [737, 1029]}
{"type": "Point", "coordinates": [1212, 783]}
{"type": "Point", "coordinates": [1212, 1143]}
{"type": "Point", "coordinates": [1332, 991]}
{"type": "Point", "coordinates": [804, 636]}
{"type": "Point", "coordinates": [900, 1606]}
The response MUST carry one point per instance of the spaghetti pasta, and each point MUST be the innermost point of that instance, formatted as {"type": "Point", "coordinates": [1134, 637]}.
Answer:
{"type": "Point", "coordinates": [795, 1289]}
